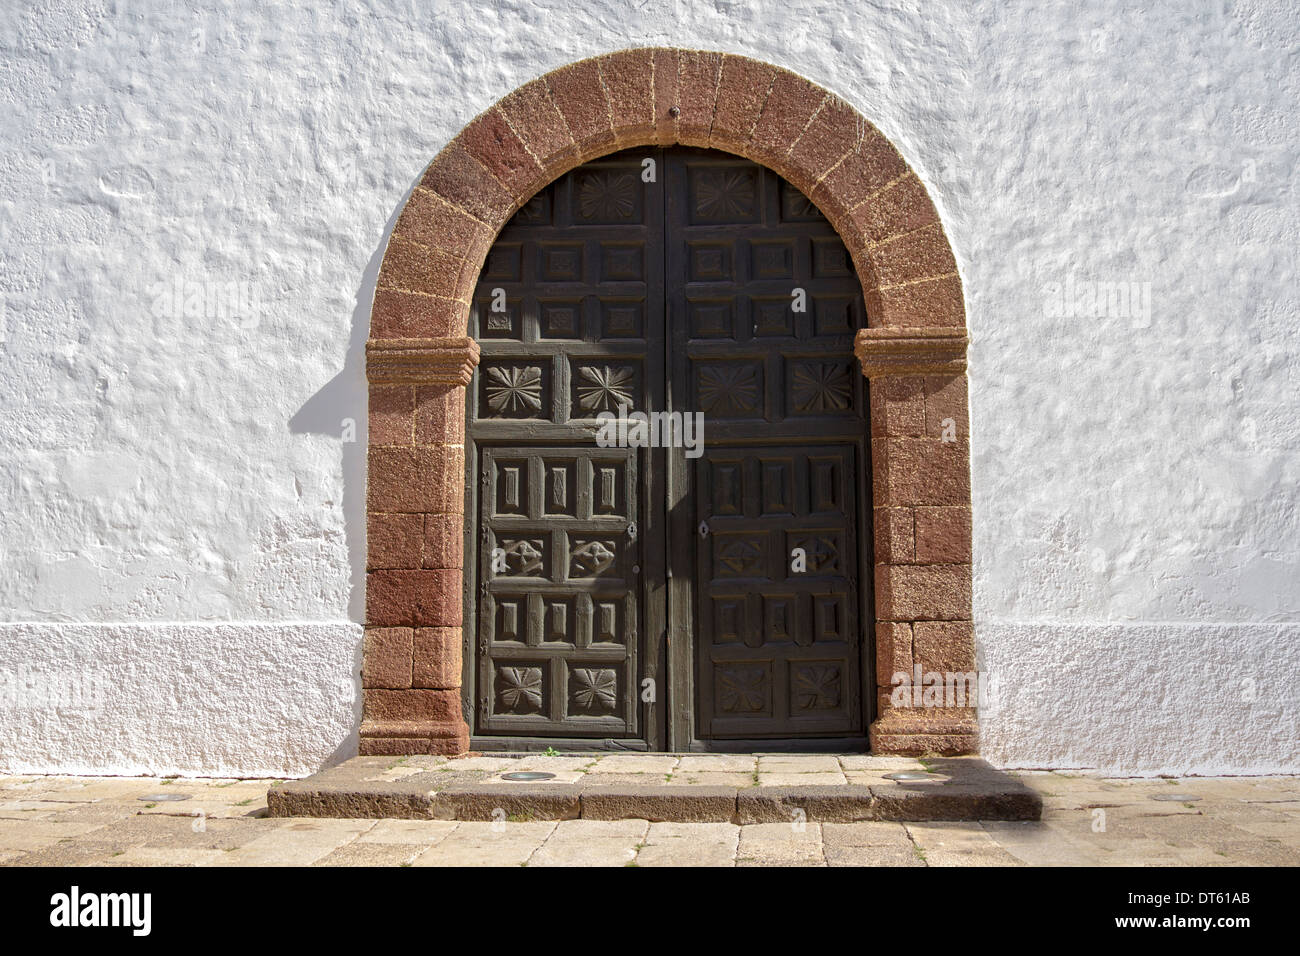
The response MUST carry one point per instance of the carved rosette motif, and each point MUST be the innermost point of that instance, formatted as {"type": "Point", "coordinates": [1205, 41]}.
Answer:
{"type": "Point", "coordinates": [742, 690]}
{"type": "Point", "coordinates": [822, 387]}
{"type": "Point", "coordinates": [728, 389]}
{"type": "Point", "coordinates": [519, 689]}
{"type": "Point", "coordinates": [608, 197]}
{"type": "Point", "coordinates": [591, 559]}
{"type": "Point", "coordinates": [604, 388]}
{"type": "Point", "coordinates": [725, 194]}
{"type": "Point", "coordinates": [514, 390]}
{"type": "Point", "coordinates": [593, 690]}
{"type": "Point", "coordinates": [817, 687]}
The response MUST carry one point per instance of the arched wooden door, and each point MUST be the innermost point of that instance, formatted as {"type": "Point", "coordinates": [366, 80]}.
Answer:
{"type": "Point", "coordinates": [702, 597]}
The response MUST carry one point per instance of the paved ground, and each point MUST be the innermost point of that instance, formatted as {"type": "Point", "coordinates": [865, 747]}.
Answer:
{"type": "Point", "coordinates": [1088, 821]}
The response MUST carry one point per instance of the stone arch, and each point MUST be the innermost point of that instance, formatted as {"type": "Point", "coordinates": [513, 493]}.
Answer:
{"type": "Point", "coordinates": [420, 359]}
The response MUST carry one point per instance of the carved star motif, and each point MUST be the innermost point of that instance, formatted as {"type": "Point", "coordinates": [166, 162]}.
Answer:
{"type": "Point", "coordinates": [817, 687]}
{"type": "Point", "coordinates": [740, 690]}
{"type": "Point", "coordinates": [609, 196]}
{"type": "Point", "coordinates": [725, 388]}
{"type": "Point", "coordinates": [514, 389]}
{"type": "Point", "coordinates": [594, 689]}
{"type": "Point", "coordinates": [606, 388]}
{"type": "Point", "coordinates": [590, 559]}
{"type": "Point", "coordinates": [725, 195]}
{"type": "Point", "coordinates": [520, 686]}
{"type": "Point", "coordinates": [822, 387]}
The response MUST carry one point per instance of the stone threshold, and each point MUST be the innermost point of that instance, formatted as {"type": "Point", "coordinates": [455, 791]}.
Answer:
{"type": "Point", "coordinates": [779, 788]}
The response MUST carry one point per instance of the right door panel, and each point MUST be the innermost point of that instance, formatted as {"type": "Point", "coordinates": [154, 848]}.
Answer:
{"type": "Point", "coordinates": [763, 303]}
{"type": "Point", "coordinates": [778, 631]}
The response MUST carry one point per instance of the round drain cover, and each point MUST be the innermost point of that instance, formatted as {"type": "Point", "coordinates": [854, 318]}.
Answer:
{"type": "Point", "coordinates": [909, 775]}
{"type": "Point", "coordinates": [1176, 797]}
{"type": "Point", "coordinates": [162, 797]}
{"type": "Point", "coordinates": [527, 775]}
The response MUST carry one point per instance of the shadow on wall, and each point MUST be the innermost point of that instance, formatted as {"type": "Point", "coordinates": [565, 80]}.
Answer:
{"type": "Point", "coordinates": [344, 397]}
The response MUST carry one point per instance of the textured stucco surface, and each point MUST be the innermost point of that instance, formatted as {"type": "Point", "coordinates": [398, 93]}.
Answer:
{"type": "Point", "coordinates": [178, 481]}
{"type": "Point", "coordinates": [240, 699]}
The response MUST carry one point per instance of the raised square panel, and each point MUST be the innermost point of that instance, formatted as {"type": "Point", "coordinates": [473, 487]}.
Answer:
{"type": "Point", "coordinates": [604, 387]}
{"type": "Point", "coordinates": [594, 691]}
{"type": "Point", "coordinates": [830, 258]}
{"type": "Point", "coordinates": [511, 486]}
{"type": "Point", "coordinates": [514, 390]}
{"type": "Point", "coordinates": [593, 557]}
{"type": "Point", "coordinates": [835, 315]}
{"type": "Point", "coordinates": [622, 262]}
{"type": "Point", "coordinates": [729, 389]}
{"type": "Point", "coordinates": [559, 487]}
{"type": "Point", "coordinates": [826, 484]}
{"type": "Point", "coordinates": [711, 318]}
{"type": "Point", "coordinates": [822, 551]}
{"type": "Point", "coordinates": [560, 262]}
{"type": "Point", "coordinates": [778, 486]}
{"type": "Point", "coordinates": [724, 194]}
{"type": "Point", "coordinates": [560, 319]}
{"type": "Point", "coordinates": [773, 316]}
{"type": "Point", "coordinates": [772, 259]}
{"type": "Point", "coordinates": [607, 620]}
{"type": "Point", "coordinates": [497, 324]}
{"type": "Point", "coordinates": [622, 318]}
{"type": "Point", "coordinates": [742, 688]}
{"type": "Point", "coordinates": [780, 618]}
{"type": "Point", "coordinates": [608, 491]}
{"type": "Point", "coordinates": [519, 688]}
{"type": "Point", "coordinates": [710, 262]}
{"type": "Point", "coordinates": [608, 197]}
{"type": "Point", "coordinates": [829, 619]}
{"type": "Point", "coordinates": [559, 620]}
{"type": "Point", "coordinates": [520, 557]}
{"type": "Point", "coordinates": [728, 487]}
{"type": "Point", "coordinates": [503, 263]}
{"type": "Point", "coordinates": [739, 554]}
{"type": "Point", "coordinates": [816, 686]}
{"type": "Point", "coordinates": [820, 388]}
{"type": "Point", "coordinates": [730, 618]}
{"type": "Point", "coordinates": [510, 618]}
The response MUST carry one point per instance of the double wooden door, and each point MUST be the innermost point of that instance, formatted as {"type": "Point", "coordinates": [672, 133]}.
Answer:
{"type": "Point", "coordinates": [701, 597]}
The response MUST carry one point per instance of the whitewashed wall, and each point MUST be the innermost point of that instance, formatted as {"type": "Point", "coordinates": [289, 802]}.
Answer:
{"type": "Point", "coordinates": [192, 211]}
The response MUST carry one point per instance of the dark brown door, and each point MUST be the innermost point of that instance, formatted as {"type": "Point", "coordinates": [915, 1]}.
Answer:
{"type": "Point", "coordinates": [614, 587]}
{"type": "Point", "coordinates": [763, 303]}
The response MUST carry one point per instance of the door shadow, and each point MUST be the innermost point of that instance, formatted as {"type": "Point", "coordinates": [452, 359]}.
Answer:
{"type": "Point", "coordinates": [339, 410]}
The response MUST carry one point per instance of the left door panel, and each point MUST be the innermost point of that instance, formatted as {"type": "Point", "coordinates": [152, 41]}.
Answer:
{"type": "Point", "coordinates": [560, 616]}
{"type": "Point", "coordinates": [566, 607]}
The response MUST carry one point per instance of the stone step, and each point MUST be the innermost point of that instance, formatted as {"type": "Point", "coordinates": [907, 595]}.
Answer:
{"type": "Point", "coordinates": [961, 788]}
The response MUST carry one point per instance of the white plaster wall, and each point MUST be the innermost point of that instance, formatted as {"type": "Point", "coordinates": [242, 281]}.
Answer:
{"type": "Point", "coordinates": [181, 508]}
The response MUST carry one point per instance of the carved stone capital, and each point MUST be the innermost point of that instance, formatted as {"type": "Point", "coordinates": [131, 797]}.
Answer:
{"type": "Point", "coordinates": [911, 351]}
{"type": "Point", "coordinates": [421, 361]}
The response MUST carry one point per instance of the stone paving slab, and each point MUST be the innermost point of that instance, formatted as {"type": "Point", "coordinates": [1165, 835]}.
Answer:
{"type": "Point", "coordinates": [759, 788]}
{"type": "Point", "coordinates": [1238, 821]}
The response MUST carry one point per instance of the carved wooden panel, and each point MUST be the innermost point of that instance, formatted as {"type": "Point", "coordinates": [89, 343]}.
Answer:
{"type": "Point", "coordinates": [569, 316]}
{"type": "Point", "coordinates": [763, 305]}
{"type": "Point", "coordinates": [714, 287]}
{"type": "Point", "coordinates": [778, 639]}
{"type": "Point", "coordinates": [559, 563]}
